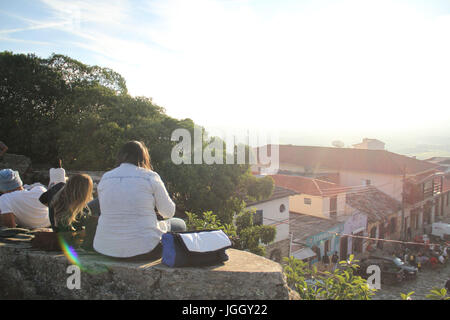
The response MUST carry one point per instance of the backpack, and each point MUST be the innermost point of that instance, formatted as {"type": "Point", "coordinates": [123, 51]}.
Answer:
{"type": "Point", "coordinates": [194, 248]}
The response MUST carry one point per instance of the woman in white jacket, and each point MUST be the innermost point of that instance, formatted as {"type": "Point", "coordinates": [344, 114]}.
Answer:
{"type": "Point", "coordinates": [128, 195]}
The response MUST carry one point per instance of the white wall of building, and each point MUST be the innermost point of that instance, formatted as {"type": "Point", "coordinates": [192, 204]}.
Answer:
{"type": "Point", "coordinates": [390, 184]}
{"type": "Point", "coordinates": [370, 145]}
{"type": "Point", "coordinates": [272, 214]}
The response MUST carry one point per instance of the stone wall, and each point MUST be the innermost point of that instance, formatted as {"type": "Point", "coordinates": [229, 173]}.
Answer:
{"type": "Point", "coordinates": [278, 250]}
{"type": "Point", "coordinates": [29, 274]}
{"type": "Point", "coordinates": [15, 162]}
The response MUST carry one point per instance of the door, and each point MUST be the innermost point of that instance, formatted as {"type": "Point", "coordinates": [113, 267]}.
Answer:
{"type": "Point", "coordinates": [333, 207]}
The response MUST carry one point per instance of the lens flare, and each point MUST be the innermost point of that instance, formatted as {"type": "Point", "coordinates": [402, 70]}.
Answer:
{"type": "Point", "coordinates": [69, 252]}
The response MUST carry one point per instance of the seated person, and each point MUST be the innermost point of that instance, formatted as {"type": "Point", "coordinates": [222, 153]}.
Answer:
{"type": "Point", "coordinates": [66, 202]}
{"type": "Point", "coordinates": [433, 261]}
{"type": "Point", "coordinates": [20, 206]}
{"type": "Point", "coordinates": [128, 226]}
{"type": "Point", "coordinates": [57, 175]}
{"type": "Point", "coordinates": [3, 149]}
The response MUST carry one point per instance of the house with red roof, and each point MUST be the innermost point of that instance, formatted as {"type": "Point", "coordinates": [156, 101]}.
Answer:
{"type": "Point", "coordinates": [330, 207]}
{"type": "Point", "coordinates": [417, 184]}
{"type": "Point", "coordinates": [315, 197]}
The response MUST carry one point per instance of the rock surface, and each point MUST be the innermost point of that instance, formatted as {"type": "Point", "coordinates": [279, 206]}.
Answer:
{"type": "Point", "coordinates": [30, 274]}
{"type": "Point", "coordinates": [15, 162]}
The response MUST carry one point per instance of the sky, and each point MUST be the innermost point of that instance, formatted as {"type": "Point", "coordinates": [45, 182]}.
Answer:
{"type": "Point", "coordinates": [332, 65]}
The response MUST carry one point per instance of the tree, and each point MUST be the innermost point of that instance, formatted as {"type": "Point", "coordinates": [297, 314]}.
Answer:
{"type": "Point", "coordinates": [60, 108]}
{"type": "Point", "coordinates": [243, 234]}
{"type": "Point", "coordinates": [342, 284]}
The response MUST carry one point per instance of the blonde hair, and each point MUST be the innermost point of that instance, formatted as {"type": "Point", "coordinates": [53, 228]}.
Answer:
{"type": "Point", "coordinates": [72, 199]}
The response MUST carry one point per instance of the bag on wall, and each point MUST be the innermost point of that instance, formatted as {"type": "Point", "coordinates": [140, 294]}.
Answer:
{"type": "Point", "coordinates": [194, 248]}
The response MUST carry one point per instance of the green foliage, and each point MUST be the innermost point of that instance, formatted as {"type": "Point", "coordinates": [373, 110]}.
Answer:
{"type": "Point", "coordinates": [60, 108]}
{"type": "Point", "coordinates": [438, 294]}
{"type": "Point", "coordinates": [341, 284]}
{"type": "Point", "coordinates": [435, 294]}
{"type": "Point", "coordinates": [406, 296]}
{"type": "Point", "coordinates": [259, 188]}
{"type": "Point", "coordinates": [243, 234]}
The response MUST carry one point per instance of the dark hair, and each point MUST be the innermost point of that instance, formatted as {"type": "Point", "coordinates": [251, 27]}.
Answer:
{"type": "Point", "coordinates": [135, 152]}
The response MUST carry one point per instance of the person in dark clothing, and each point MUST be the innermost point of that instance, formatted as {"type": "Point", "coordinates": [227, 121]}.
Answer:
{"type": "Point", "coordinates": [447, 286]}
{"type": "Point", "coordinates": [335, 260]}
{"type": "Point", "coordinates": [326, 261]}
{"type": "Point", "coordinates": [67, 201]}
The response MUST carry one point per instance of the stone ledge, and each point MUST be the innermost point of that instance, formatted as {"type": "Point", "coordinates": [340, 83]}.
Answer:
{"type": "Point", "coordinates": [29, 274]}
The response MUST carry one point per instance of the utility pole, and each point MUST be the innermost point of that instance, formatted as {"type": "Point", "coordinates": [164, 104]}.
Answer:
{"type": "Point", "coordinates": [402, 232]}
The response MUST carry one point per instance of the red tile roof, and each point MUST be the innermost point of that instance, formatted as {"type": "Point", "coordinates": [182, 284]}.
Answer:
{"type": "Point", "coordinates": [374, 203]}
{"type": "Point", "coordinates": [308, 186]}
{"type": "Point", "coordinates": [330, 177]}
{"type": "Point", "coordinates": [419, 178]}
{"type": "Point", "coordinates": [363, 160]}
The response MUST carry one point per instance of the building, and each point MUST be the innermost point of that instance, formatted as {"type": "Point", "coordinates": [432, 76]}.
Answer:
{"type": "Point", "coordinates": [319, 215]}
{"type": "Point", "coordinates": [443, 162]}
{"type": "Point", "coordinates": [313, 237]}
{"type": "Point", "coordinates": [370, 144]}
{"type": "Point", "coordinates": [315, 197]}
{"type": "Point", "coordinates": [446, 196]}
{"type": "Point", "coordinates": [425, 201]}
{"type": "Point", "coordinates": [416, 183]}
{"type": "Point", "coordinates": [274, 211]}
{"type": "Point", "coordinates": [382, 212]}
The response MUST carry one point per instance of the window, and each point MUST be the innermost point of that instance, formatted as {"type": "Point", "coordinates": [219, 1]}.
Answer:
{"type": "Point", "coordinates": [282, 208]}
{"type": "Point", "coordinates": [307, 201]}
{"type": "Point", "coordinates": [258, 218]}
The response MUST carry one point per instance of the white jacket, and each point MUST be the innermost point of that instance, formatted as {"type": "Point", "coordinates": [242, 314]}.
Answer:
{"type": "Point", "coordinates": [127, 225]}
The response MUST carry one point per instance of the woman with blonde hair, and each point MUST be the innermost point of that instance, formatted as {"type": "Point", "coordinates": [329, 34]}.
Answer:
{"type": "Point", "coordinates": [129, 196]}
{"type": "Point", "coordinates": [67, 201]}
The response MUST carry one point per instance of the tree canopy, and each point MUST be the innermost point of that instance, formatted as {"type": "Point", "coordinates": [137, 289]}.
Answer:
{"type": "Point", "coordinates": [60, 108]}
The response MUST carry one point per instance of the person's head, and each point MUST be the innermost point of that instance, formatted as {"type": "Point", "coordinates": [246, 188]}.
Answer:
{"type": "Point", "coordinates": [135, 152]}
{"type": "Point", "coordinates": [72, 198]}
{"type": "Point", "coordinates": [10, 181]}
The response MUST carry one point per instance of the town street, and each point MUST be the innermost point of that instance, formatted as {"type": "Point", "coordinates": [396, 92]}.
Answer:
{"type": "Point", "coordinates": [426, 280]}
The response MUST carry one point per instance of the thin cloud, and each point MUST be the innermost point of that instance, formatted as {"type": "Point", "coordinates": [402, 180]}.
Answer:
{"type": "Point", "coordinates": [36, 26]}
{"type": "Point", "coordinates": [348, 64]}
{"type": "Point", "coordinates": [42, 43]}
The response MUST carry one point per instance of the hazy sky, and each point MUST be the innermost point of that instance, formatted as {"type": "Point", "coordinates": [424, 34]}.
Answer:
{"type": "Point", "coordinates": [315, 65]}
